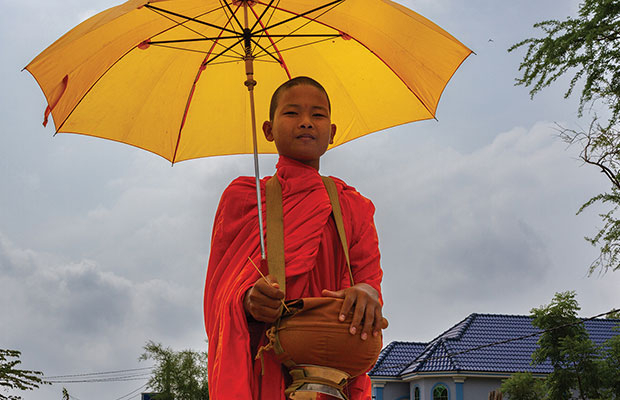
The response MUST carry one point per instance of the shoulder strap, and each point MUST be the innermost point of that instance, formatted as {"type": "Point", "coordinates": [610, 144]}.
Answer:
{"type": "Point", "coordinates": [275, 231]}
{"type": "Point", "coordinates": [332, 192]}
{"type": "Point", "coordinates": [275, 227]}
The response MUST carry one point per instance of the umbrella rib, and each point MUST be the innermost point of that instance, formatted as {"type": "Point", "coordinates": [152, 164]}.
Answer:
{"type": "Point", "coordinates": [191, 93]}
{"type": "Point", "coordinates": [273, 12]}
{"type": "Point", "coordinates": [258, 19]}
{"type": "Point", "coordinates": [366, 47]}
{"type": "Point", "coordinates": [266, 52]}
{"type": "Point", "coordinates": [234, 13]}
{"type": "Point", "coordinates": [296, 16]}
{"type": "Point", "coordinates": [282, 37]}
{"type": "Point", "coordinates": [281, 61]}
{"type": "Point", "coordinates": [224, 51]}
{"type": "Point", "coordinates": [304, 45]}
{"type": "Point", "coordinates": [190, 18]}
{"type": "Point", "coordinates": [204, 39]}
{"type": "Point", "coordinates": [265, 32]}
{"type": "Point", "coordinates": [196, 51]}
{"type": "Point", "coordinates": [304, 35]}
{"type": "Point", "coordinates": [182, 24]}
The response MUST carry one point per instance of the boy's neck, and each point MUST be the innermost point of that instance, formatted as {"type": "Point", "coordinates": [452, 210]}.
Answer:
{"type": "Point", "coordinates": [311, 163]}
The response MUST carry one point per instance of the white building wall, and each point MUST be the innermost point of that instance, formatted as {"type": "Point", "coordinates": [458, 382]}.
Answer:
{"type": "Point", "coordinates": [479, 388]}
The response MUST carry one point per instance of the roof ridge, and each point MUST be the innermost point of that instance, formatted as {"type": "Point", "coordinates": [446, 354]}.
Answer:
{"type": "Point", "coordinates": [422, 357]}
{"type": "Point", "coordinates": [458, 328]}
{"type": "Point", "coordinates": [450, 356]}
{"type": "Point", "coordinates": [529, 316]}
{"type": "Point", "coordinates": [406, 342]}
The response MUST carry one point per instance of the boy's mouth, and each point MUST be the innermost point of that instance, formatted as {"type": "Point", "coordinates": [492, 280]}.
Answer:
{"type": "Point", "coordinates": [306, 136]}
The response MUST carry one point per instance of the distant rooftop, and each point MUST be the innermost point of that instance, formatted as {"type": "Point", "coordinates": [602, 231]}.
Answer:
{"type": "Point", "coordinates": [447, 352]}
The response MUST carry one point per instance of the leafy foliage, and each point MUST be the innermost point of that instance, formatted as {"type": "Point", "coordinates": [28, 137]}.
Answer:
{"type": "Point", "coordinates": [588, 48]}
{"type": "Point", "coordinates": [12, 378]}
{"type": "Point", "coordinates": [601, 148]}
{"type": "Point", "coordinates": [589, 45]}
{"type": "Point", "coordinates": [610, 371]}
{"type": "Point", "coordinates": [178, 375]}
{"type": "Point", "coordinates": [579, 365]}
{"type": "Point", "coordinates": [523, 386]}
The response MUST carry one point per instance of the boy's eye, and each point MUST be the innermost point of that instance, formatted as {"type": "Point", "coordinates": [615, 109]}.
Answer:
{"type": "Point", "coordinates": [318, 115]}
{"type": "Point", "coordinates": [290, 113]}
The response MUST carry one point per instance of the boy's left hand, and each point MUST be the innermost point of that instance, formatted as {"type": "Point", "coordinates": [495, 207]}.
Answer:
{"type": "Point", "coordinates": [365, 299]}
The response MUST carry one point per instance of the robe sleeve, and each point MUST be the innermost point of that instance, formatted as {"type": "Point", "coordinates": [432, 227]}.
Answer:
{"type": "Point", "coordinates": [228, 277]}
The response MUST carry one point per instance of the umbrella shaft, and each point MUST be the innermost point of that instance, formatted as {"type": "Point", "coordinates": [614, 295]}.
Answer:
{"type": "Point", "coordinates": [250, 83]}
{"type": "Point", "coordinates": [257, 175]}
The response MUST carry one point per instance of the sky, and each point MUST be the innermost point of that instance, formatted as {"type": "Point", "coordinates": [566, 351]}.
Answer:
{"type": "Point", "coordinates": [104, 246]}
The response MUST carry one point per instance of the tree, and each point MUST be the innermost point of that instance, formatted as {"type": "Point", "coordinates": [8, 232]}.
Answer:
{"type": "Point", "coordinates": [523, 386]}
{"type": "Point", "coordinates": [12, 378]}
{"type": "Point", "coordinates": [588, 47]}
{"type": "Point", "coordinates": [614, 314]}
{"type": "Point", "coordinates": [579, 365]}
{"type": "Point", "coordinates": [611, 367]}
{"type": "Point", "coordinates": [562, 312]}
{"type": "Point", "coordinates": [177, 375]}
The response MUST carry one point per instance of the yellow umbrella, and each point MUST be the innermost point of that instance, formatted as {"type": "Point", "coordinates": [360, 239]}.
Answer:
{"type": "Point", "coordinates": [168, 75]}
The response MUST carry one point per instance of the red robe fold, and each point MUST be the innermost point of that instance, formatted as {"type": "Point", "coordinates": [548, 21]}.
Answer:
{"type": "Point", "coordinates": [314, 261]}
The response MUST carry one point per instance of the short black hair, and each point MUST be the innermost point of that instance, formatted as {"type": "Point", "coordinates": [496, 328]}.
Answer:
{"type": "Point", "coordinates": [299, 80]}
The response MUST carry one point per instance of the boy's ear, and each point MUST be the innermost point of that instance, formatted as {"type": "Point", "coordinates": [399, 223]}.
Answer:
{"type": "Point", "coordinates": [267, 126]}
{"type": "Point", "coordinates": [333, 133]}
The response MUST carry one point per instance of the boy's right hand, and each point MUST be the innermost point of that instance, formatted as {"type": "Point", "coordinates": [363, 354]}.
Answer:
{"type": "Point", "coordinates": [263, 300]}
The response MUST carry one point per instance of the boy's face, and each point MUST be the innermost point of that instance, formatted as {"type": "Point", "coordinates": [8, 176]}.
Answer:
{"type": "Point", "coordinates": [301, 126]}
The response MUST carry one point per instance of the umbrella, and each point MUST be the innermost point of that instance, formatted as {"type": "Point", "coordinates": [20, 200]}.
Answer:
{"type": "Point", "coordinates": [173, 76]}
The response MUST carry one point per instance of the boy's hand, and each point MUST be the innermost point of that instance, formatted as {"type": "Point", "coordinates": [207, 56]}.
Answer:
{"type": "Point", "coordinates": [263, 300]}
{"type": "Point", "coordinates": [365, 299]}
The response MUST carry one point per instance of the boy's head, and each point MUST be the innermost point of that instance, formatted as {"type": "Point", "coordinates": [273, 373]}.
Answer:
{"type": "Point", "coordinates": [299, 80]}
{"type": "Point", "coordinates": [300, 120]}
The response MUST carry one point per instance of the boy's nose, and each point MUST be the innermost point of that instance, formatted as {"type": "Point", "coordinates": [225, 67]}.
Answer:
{"type": "Point", "coordinates": [305, 122]}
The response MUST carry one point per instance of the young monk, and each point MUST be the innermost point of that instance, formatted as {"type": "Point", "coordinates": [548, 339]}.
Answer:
{"type": "Point", "coordinates": [239, 304]}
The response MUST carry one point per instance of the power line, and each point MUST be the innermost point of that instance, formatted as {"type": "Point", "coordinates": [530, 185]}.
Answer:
{"type": "Point", "coordinates": [126, 378]}
{"type": "Point", "coordinates": [496, 343]}
{"type": "Point", "coordinates": [99, 373]}
{"type": "Point", "coordinates": [132, 392]}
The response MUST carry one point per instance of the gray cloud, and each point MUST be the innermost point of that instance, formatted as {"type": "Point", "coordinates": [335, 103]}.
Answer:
{"type": "Point", "coordinates": [103, 246]}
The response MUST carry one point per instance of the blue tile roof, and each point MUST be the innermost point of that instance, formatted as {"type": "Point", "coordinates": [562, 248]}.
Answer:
{"type": "Point", "coordinates": [396, 356]}
{"type": "Point", "coordinates": [452, 350]}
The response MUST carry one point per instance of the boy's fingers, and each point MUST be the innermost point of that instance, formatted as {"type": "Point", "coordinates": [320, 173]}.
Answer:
{"type": "Point", "coordinates": [347, 305]}
{"type": "Point", "coordinates": [261, 307]}
{"type": "Point", "coordinates": [358, 314]}
{"type": "Point", "coordinates": [378, 322]}
{"type": "Point", "coordinates": [369, 321]}
{"type": "Point", "coordinates": [258, 300]}
{"type": "Point", "coordinates": [269, 287]}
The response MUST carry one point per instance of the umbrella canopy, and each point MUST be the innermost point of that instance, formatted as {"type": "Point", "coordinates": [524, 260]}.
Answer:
{"type": "Point", "coordinates": [167, 75]}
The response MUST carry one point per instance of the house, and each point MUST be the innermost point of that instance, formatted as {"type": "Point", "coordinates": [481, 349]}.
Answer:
{"type": "Point", "coordinates": [468, 361]}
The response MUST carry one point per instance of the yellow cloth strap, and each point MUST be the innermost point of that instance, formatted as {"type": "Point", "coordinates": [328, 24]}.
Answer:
{"type": "Point", "coordinates": [275, 227]}
{"type": "Point", "coordinates": [332, 192]}
{"type": "Point", "coordinates": [275, 231]}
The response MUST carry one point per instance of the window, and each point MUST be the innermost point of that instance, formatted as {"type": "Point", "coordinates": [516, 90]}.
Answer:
{"type": "Point", "coordinates": [416, 393]}
{"type": "Point", "coordinates": [440, 392]}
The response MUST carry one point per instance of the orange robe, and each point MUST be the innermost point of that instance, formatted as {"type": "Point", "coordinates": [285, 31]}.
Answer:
{"type": "Point", "coordinates": [314, 261]}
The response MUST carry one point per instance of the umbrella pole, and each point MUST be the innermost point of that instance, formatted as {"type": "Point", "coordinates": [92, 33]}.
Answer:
{"type": "Point", "coordinates": [250, 83]}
